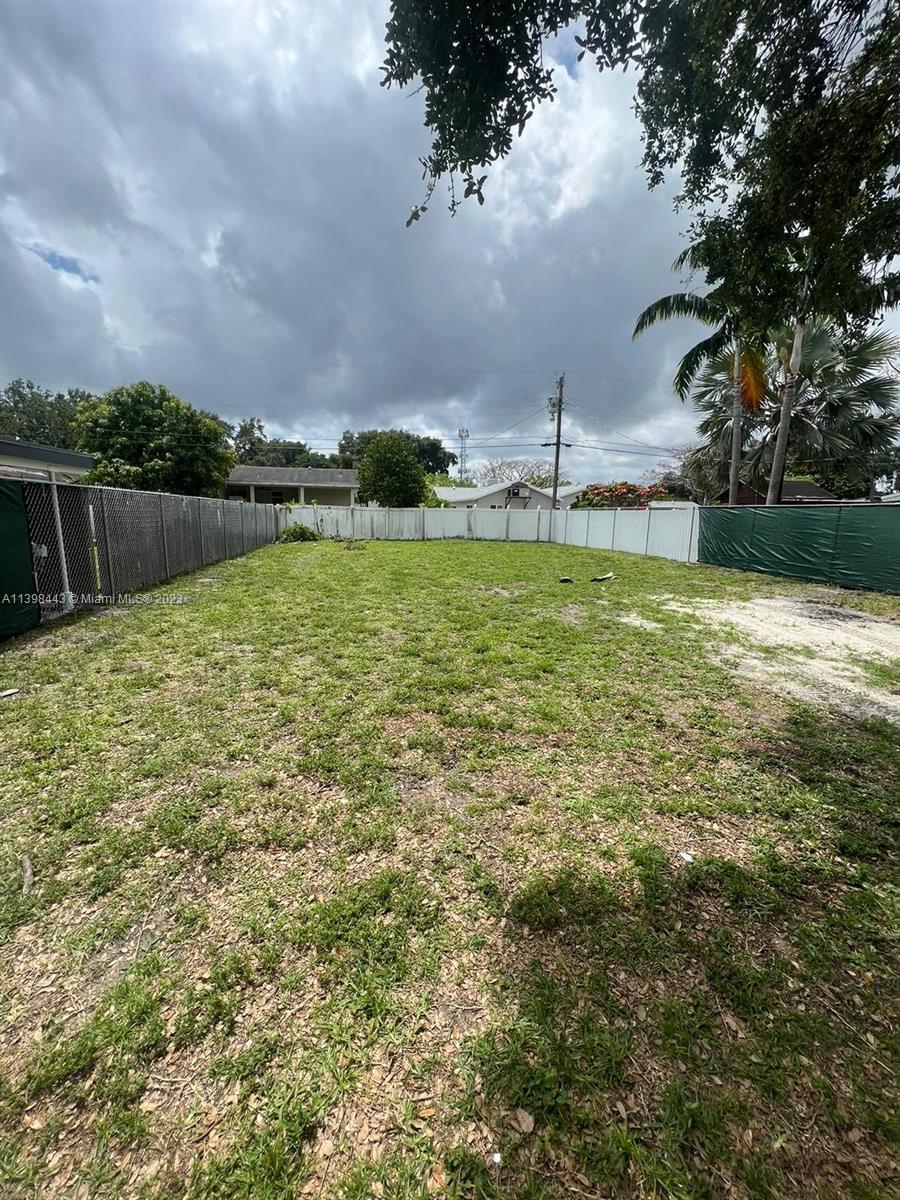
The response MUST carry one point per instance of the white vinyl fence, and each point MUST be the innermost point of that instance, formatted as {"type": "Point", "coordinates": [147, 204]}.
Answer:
{"type": "Point", "coordinates": [664, 532]}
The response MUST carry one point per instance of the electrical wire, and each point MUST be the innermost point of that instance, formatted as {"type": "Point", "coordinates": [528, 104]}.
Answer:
{"type": "Point", "coordinates": [515, 425]}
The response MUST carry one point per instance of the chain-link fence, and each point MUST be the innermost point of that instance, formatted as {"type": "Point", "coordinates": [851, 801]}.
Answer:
{"type": "Point", "coordinates": [90, 545]}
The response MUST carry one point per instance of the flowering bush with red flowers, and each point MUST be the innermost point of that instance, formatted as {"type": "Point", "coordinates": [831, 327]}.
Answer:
{"type": "Point", "coordinates": [619, 495]}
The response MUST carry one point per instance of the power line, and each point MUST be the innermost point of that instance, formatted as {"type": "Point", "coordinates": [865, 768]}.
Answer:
{"type": "Point", "coordinates": [603, 425]}
{"type": "Point", "coordinates": [515, 425]}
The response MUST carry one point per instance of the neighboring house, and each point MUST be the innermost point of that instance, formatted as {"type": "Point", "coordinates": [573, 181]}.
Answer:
{"type": "Point", "coordinates": [891, 498]}
{"type": "Point", "coordinates": [565, 496]}
{"type": "Point", "coordinates": [515, 493]}
{"type": "Point", "coordinates": [29, 460]}
{"type": "Point", "coordinates": [793, 491]}
{"type": "Point", "coordinates": [297, 485]}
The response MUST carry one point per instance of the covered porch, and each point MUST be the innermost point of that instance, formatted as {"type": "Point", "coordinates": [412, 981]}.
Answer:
{"type": "Point", "coordinates": [258, 493]}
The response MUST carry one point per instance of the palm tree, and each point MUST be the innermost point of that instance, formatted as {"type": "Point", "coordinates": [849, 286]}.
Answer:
{"type": "Point", "coordinates": [846, 404]}
{"type": "Point", "coordinates": [746, 366]}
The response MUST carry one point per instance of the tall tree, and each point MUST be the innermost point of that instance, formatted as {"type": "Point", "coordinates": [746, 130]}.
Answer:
{"type": "Point", "coordinates": [711, 76]}
{"type": "Point", "coordinates": [390, 472]}
{"type": "Point", "coordinates": [846, 410]}
{"type": "Point", "coordinates": [249, 439]}
{"type": "Point", "coordinates": [430, 452]}
{"type": "Point", "coordinates": [815, 226]}
{"type": "Point", "coordinates": [746, 372]}
{"type": "Point", "coordinates": [252, 447]}
{"type": "Point", "coordinates": [791, 108]}
{"type": "Point", "coordinates": [31, 413]}
{"type": "Point", "coordinates": [143, 436]}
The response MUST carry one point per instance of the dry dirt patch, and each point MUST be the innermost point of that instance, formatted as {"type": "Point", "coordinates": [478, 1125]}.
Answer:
{"type": "Point", "coordinates": [823, 646]}
{"type": "Point", "coordinates": [637, 621]}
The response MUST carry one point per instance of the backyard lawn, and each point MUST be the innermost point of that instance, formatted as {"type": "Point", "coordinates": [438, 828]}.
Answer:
{"type": "Point", "coordinates": [403, 869]}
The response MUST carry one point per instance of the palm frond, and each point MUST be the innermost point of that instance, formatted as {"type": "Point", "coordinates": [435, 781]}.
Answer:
{"type": "Point", "coordinates": [847, 406]}
{"type": "Point", "coordinates": [881, 392]}
{"type": "Point", "coordinates": [874, 351]}
{"type": "Point", "coordinates": [679, 304]}
{"type": "Point", "coordinates": [753, 377]}
{"type": "Point", "coordinates": [690, 256]}
{"type": "Point", "coordinates": [692, 362]}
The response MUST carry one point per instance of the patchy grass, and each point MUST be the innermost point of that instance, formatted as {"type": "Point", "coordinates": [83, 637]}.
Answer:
{"type": "Point", "coordinates": [409, 872]}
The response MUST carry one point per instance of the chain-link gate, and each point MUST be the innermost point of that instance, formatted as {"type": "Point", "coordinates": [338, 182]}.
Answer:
{"type": "Point", "coordinates": [90, 545]}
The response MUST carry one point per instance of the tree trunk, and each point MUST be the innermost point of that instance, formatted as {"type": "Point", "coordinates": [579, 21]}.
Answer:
{"type": "Point", "coordinates": [737, 417]}
{"type": "Point", "coordinates": [776, 478]}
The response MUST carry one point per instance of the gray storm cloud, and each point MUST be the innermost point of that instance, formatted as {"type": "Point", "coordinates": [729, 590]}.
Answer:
{"type": "Point", "coordinates": [232, 184]}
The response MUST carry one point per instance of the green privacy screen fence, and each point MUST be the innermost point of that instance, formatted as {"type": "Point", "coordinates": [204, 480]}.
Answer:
{"type": "Point", "coordinates": [850, 545]}
{"type": "Point", "coordinates": [18, 607]}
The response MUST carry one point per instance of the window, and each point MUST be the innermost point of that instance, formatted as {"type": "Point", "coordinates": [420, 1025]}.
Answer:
{"type": "Point", "coordinates": [496, 506]}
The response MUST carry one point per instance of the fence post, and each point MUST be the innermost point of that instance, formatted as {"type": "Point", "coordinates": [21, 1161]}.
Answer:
{"type": "Point", "coordinates": [224, 530]}
{"type": "Point", "coordinates": [95, 554]}
{"type": "Point", "coordinates": [537, 531]}
{"type": "Point", "coordinates": [507, 523]}
{"type": "Point", "coordinates": [109, 561]}
{"type": "Point", "coordinates": [566, 528]}
{"type": "Point", "coordinates": [68, 600]}
{"type": "Point", "coordinates": [200, 530]}
{"type": "Point", "coordinates": [690, 544]}
{"type": "Point", "coordinates": [750, 537]}
{"type": "Point", "coordinates": [162, 526]}
{"type": "Point", "coordinates": [612, 540]}
{"type": "Point", "coordinates": [647, 538]}
{"type": "Point", "coordinates": [587, 529]}
{"type": "Point", "coordinates": [422, 511]}
{"type": "Point", "coordinates": [352, 523]}
{"type": "Point", "coordinates": [837, 532]}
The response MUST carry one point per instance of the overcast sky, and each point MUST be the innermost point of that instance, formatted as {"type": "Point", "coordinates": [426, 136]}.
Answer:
{"type": "Point", "coordinates": [213, 196]}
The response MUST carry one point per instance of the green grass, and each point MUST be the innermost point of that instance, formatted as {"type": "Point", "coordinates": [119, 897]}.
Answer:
{"type": "Point", "coordinates": [407, 871]}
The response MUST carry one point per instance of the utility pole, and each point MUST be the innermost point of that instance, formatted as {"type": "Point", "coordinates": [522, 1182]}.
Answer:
{"type": "Point", "coordinates": [555, 408]}
{"type": "Point", "coordinates": [463, 452]}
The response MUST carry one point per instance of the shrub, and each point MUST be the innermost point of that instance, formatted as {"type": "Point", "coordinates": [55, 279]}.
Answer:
{"type": "Point", "coordinates": [619, 495]}
{"type": "Point", "coordinates": [300, 533]}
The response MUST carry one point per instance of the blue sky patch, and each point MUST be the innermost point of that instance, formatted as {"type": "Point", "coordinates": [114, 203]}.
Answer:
{"type": "Point", "coordinates": [62, 262]}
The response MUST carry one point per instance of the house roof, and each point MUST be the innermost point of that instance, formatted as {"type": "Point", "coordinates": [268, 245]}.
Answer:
{"type": "Point", "coordinates": [455, 494]}
{"type": "Point", "coordinates": [800, 489]}
{"type": "Point", "coordinates": [312, 476]}
{"type": "Point", "coordinates": [793, 489]}
{"type": "Point", "coordinates": [570, 489]}
{"type": "Point", "coordinates": [36, 453]}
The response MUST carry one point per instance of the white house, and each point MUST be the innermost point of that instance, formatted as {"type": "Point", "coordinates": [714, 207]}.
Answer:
{"type": "Point", "coordinates": [512, 494]}
{"type": "Point", "coordinates": [29, 460]}
{"type": "Point", "coordinates": [298, 485]}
